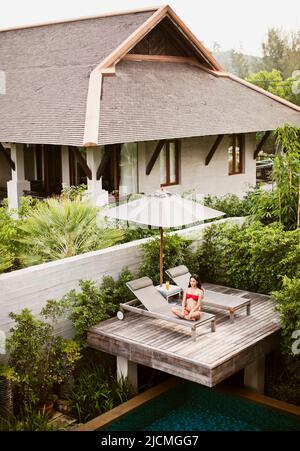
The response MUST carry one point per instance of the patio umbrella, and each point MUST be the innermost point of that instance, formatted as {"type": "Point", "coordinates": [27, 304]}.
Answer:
{"type": "Point", "coordinates": [163, 210]}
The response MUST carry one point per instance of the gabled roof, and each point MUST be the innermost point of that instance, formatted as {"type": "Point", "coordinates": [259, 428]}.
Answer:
{"type": "Point", "coordinates": [56, 75]}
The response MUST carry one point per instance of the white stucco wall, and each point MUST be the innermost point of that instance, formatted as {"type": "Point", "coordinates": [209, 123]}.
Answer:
{"type": "Point", "coordinates": [194, 175]}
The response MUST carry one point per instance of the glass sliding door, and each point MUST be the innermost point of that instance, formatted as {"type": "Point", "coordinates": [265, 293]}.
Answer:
{"type": "Point", "coordinates": [128, 169]}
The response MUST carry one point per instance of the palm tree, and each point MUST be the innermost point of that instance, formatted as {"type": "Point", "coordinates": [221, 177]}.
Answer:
{"type": "Point", "coordinates": [62, 228]}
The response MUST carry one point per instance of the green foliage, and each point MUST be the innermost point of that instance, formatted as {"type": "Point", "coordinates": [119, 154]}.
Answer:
{"type": "Point", "coordinates": [281, 51]}
{"type": "Point", "coordinates": [132, 234]}
{"type": "Point", "coordinates": [211, 264]}
{"type": "Point", "coordinates": [94, 303]}
{"type": "Point", "coordinates": [97, 391]}
{"type": "Point", "coordinates": [283, 377]}
{"type": "Point", "coordinates": [58, 229]}
{"type": "Point", "coordinates": [27, 205]}
{"type": "Point", "coordinates": [8, 239]}
{"type": "Point", "coordinates": [263, 206]}
{"type": "Point", "coordinates": [287, 175]}
{"type": "Point", "coordinates": [230, 204]}
{"type": "Point", "coordinates": [288, 305]}
{"type": "Point", "coordinates": [38, 359]}
{"type": "Point", "coordinates": [239, 63]}
{"type": "Point", "coordinates": [29, 419]}
{"type": "Point", "coordinates": [175, 253]}
{"type": "Point", "coordinates": [252, 257]}
{"type": "Point", "coordinates": [270, 81]}
{"type": "Point", "coordinates": [273, 82]}
{"type": "Point", "coordinates": [73, 192]}
{"type": "Point", "coordinates": [280, 204]}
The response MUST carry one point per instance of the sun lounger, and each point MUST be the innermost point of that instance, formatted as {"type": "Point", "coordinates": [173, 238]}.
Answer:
{"type": "Point", "coordinates": [150, 302]}
{"type": "Point", "coordinates": [181, 276]}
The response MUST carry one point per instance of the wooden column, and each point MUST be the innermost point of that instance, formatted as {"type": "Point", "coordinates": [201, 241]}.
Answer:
{"type": "Point", "coordinates": [254, 377]}
{"type": "Point", "coordinates": [127, 368]}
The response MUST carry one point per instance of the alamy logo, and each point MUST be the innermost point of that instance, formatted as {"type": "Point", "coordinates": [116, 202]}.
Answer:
{"type": "Point", "coordinates": [2, 82]}
{"type": "Point", "coordinates": [296, 344]}
{"type": "Point", "coordinates": [2, 342]}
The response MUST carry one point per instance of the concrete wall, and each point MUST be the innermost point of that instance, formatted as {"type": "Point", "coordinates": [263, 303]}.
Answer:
{"type": "Point", "coordinates": [194, 175]}
{"type": "Point", "coordinates": [32, 287]}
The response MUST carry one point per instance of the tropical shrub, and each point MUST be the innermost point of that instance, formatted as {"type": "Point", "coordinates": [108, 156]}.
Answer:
{"type": "Point", "coordinates": [287, 301]}
{"type": "Point", "coordinates": [283, 203]}
{"type": "Point", "coordinates": [37, 358]}
{"type": "Point", "coordinates": [58, 229]}
{"type": "Point", "coordinates": [176, 252]}
{"type": "Point", "coordinates": [252, 257]}
{"type": "Point", "coordinates": [95, 303]}
{"type": "Point", "coordinates": [73, 192]}
{"type": "Point", "coordinates": [97, 390]}
{"type": "Point", "coordinates": [8, 239]}
{"type": "Point", "coordinates": [287, 176]}
{"type": "Point", "coordinates": [284, 380]}
{"type": "Point", "coordinates": [230, 204]}
{"type": "Point", "coordinates": [29, 419]}
{"type": "Point", "coordinates": [138, 233]}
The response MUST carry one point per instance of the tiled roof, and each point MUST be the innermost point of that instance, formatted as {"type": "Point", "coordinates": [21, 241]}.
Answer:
{"type": "Point", "coordinates": [47, 75]}
{"type": "Point", "coordinates": [155, 100]}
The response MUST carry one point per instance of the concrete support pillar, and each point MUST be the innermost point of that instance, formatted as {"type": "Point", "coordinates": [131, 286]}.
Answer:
{"type": "Point", "coordinates": [17, 185]}
{"type": "Point", "coordinates": [126, 368]}
{"type": "Point", "coordinates": [65, 164]}
{"type": "Point", "coordinates": [98, 195]}
{"type": "Point", "coordinates": [254, 377]}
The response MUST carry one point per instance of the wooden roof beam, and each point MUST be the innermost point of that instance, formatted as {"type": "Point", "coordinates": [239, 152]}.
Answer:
{"type": "Point", "coordinates": [154, 156]}
{"type": "Point", "coordinates": [104, 161]}
{"type": "Point", "coordinates": [7, 157]}
{"type": "Point", "coordinates": [261, 143]}
{"type": "Point", "coordinates": [82, 162]}
{"type": "Point", "coordinates": [213, 149]}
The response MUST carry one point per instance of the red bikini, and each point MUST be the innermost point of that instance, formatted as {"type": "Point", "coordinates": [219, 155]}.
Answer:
{"type": "Point", "coordinates": [192, 296]}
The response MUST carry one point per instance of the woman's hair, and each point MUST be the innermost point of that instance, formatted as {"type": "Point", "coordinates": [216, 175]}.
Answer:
{"type": "Point", "coordinates": [197, 278]}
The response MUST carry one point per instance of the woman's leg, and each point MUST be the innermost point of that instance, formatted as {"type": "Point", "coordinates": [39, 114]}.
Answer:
{"type": "Point", "coordinates": [178, 312]}
{"type": "Point", "coordinates": [195, 316]}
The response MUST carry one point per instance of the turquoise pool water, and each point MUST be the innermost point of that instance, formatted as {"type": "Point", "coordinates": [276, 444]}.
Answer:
{"type": "Point", "coordinates": [191, 407]}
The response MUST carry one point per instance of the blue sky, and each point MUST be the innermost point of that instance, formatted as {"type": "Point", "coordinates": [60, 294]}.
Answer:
{"type": "Point", "coordinates": [232, 23]}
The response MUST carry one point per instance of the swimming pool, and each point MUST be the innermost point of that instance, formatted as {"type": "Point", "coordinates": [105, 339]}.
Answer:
{"type": "Point", "coordinates": [191, 407]}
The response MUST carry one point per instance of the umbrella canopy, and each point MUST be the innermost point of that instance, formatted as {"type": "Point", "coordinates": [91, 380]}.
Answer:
{"type": "Point", "coordinates": [163, 210]}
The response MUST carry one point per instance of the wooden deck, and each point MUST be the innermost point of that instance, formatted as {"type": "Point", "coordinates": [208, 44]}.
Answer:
{"type": "Point", "coordinates": [211, 358]}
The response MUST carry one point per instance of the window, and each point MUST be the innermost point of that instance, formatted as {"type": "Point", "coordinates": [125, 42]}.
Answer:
{"type": "Point", "coordinates": [169, 164]}
{"type": "Point", "coordinates": [236, 155]}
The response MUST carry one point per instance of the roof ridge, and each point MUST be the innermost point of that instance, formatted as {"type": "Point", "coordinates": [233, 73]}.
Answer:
{"type": "Point", "coordinates": [78, 19]}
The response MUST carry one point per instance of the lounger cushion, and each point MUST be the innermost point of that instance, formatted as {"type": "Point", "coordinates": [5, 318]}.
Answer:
{"type": "Point", "coordinates": [178, 271]}
{"type": "Point", "coordinates": [137, 284]}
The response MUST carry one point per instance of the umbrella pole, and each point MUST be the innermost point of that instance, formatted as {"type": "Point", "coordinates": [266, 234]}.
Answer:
{"type": "Point", "coordinates": [161, 253]}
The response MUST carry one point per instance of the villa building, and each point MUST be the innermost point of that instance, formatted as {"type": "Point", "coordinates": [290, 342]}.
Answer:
{"type": "Point", "coordinates": [126, 103]}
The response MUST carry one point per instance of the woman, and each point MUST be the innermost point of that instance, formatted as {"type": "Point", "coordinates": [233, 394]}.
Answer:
{"type": "Point", "coordinates": [191, 302]}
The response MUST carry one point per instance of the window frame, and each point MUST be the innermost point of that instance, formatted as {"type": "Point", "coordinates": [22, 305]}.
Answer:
{"type": "Point", "coordinates": [237, 141]}
{"type": "Point", "coordinates": [177, 156]}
